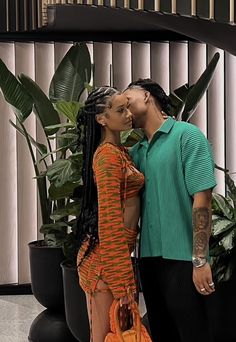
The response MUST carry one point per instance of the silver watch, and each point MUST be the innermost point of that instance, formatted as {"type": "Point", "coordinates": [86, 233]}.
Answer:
{"type": "Point", "coordinates": [198, 261]}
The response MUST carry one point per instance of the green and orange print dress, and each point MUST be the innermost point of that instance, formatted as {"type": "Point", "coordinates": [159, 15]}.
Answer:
{"type": "Point", "coordinates": [117, 180]}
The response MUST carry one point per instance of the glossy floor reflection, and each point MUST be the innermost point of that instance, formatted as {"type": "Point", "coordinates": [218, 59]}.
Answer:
{"type": "Point", "coordinates": [16, 315]}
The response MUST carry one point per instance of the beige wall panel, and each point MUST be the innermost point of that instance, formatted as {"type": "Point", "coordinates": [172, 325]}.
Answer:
{"type": "Point", "coordinates": [8, 183]}
{"type": "Point", "coordinates": [160, 64]}
{"type": "Point", "coordinates": [197, 65]}
{"type": "Point", "coordinates": [140, 60]}
{"type": "Point", "coordinates": [121, 61]}
{"type": "Point", "coordinates": [216, 124]}
{"type": "Point", "coordinates": [26, 185]}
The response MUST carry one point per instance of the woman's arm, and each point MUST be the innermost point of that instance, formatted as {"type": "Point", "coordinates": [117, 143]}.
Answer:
{"type": "Point", "coordinates": [115, 256]}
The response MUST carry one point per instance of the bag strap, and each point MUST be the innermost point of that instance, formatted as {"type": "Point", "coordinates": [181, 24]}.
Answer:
{"type": "Point", "coordinates": [136, 319]}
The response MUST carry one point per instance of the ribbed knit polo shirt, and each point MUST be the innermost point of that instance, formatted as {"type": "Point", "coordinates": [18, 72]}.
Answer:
{"type": "Point", "coordinates": [177, 164]}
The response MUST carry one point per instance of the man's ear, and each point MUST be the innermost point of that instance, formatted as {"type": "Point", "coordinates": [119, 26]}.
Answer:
{"type": "Point", "coordinates": [146, 96]}
{"type": "Point", "coordinates": [100, 118]}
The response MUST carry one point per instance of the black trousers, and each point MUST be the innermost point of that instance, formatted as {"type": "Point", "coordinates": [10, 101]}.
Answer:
{"type": "Point", "coordinates": [176, 311]}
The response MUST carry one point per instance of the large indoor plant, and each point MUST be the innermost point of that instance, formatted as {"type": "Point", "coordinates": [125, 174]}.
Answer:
{"type": "Point", "coordinates": [57, 117]}
{"type": "Point", "coordinates": [223, 259]}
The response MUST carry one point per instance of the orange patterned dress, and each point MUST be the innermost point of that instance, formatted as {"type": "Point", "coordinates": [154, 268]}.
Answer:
{"type": "Point", "coordinates": [117, 180]}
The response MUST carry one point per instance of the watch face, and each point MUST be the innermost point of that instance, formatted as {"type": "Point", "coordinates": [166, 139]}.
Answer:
{"type": "Point", "coordinates": [198, 262]}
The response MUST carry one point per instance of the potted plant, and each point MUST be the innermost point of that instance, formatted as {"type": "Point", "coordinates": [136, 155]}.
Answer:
{"type": "Point", "coordinates": [26, 98]}
{"type": "Point", "coordinates": [223, 260]}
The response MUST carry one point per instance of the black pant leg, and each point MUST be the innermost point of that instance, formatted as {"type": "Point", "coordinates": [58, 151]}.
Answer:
{"type": "Point", "coordinates": [160, 321]}
{"type": "Point", "coordinates": [185, 304]}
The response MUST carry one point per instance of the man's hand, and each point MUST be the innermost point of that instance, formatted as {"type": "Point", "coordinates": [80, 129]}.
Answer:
{"type": "Point", "coordinates": [202, 279]}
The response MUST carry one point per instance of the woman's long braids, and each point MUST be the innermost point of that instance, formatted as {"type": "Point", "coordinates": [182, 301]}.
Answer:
{"type": "Point", "coordinates": [89, 137]}
{"type": "Point", "coordinates": [156, 91]}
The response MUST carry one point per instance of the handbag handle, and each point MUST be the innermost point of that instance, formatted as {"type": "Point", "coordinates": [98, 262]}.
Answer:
{"type": "Point", "coordinates": [136, 320]}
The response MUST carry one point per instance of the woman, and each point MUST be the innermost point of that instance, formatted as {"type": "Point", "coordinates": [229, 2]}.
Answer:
{"type": "Point", "coordinates": [108, 222]}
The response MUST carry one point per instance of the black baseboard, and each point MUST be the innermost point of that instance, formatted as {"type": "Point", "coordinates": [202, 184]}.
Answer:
{"type": "Point", "coordinates": [15, 289]}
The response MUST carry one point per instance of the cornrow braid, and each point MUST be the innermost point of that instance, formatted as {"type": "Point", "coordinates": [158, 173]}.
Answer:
{"type": "Point", "coordinates": [156, 91]}
{"type": "Point", "coordinates": [89, 137]}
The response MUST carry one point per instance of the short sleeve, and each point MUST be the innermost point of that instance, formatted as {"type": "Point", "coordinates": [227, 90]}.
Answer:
{"type": "Point", "coordinates": [197, 159]}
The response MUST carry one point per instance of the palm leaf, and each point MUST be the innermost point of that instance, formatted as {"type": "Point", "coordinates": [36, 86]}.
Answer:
{"type": "Point", "coordinates": [14, 93]}
{"type": "Point", "coordinates": [199, 88]}
{"type": "Point", "coordinates": [44, 109]}
{"type": "Point", "coordinates": [41, 148]}
{"type": "Point", "coordinates": [71, 75]}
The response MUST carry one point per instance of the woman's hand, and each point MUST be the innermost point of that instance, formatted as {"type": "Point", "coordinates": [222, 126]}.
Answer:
{"type": "Point", "coordinates": [126, 300]}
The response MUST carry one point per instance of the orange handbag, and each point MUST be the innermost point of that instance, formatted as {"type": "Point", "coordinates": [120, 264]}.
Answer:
{"type": "Point", "coordinates": [137, 333]}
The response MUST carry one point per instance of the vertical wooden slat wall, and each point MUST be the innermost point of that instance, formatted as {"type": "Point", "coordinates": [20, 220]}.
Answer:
{"type": "Point", "coordinates": [170, 63]}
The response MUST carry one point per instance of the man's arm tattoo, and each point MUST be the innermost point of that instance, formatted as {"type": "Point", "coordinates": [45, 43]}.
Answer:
{"type": "Point", "coordinates": [201, 231]}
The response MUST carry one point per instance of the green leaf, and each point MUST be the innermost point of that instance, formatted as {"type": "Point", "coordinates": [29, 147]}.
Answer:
{"type": "Point", "coordinates": [199, 88]}
{"type": "Point", "coordinates": [65, 191]}
{"type": "Point", "coordinates": [70, 248]}
{"type": "Point", "coordinates": [53, 227]}
{"type": "Point", "coordinates": [182, 92]}
{"type": "Point", "coordinates": [68, 139]}
{"type": "Point", "coordinates": [223, 206]}
{"type": "Point", "coordinates": [221, 225]}
{"type": "Point", "coordinates": [14, 92]}
{"type": "Point", "coordinates": [41, 148]}
{"type": "Point", "coordinates": [63, 171]}
{"type": "Point", "coordinates": [131, 137]}
{"type": "Point", "coordinates": [43, 107]}
{"type": "Point", "coordinates": [72, 208]}
{"type": "Point", "coordinates": [69, 109]}
{"type": "Point", "coordinates": [68, 136]}
{"type": "Point", "coordinates": [231, 190]}
{"type": "Point", "coordinates": [55, 239]}
{"type": "Point", "coordinates": [178, 100]}
{"type": "Point", "coordinates": [71, 75]}
{"type": "Point", "coordinates": [60, 149]}
{"type": "Point", "coordinates": [228, 241]}
{"type": "Point", "coordinates": [52, 128]}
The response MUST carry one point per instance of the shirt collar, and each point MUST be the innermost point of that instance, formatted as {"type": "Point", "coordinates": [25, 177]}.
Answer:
{"type": "Point", "coordinates": [165, 128]}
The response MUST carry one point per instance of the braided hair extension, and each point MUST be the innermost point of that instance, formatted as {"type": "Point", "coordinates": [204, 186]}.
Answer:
{"type": "Point", "coordinates": [155, 90]}
{"type": "Point", "coordinates": [89, 138]}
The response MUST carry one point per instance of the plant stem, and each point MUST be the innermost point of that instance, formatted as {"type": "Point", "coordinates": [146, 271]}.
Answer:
{"type": "Point", "coordinates": [41, 182]}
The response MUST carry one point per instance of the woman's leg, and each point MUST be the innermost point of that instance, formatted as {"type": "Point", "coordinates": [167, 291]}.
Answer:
{"type": "Point", "coordinates": [98, 305]}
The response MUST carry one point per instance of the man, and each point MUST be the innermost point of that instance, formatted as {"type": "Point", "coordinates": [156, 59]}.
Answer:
{"type": "Point", "coordinates": [176, 160]}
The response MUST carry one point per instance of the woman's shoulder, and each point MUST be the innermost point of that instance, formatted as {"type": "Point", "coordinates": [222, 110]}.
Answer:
{"type": "Point", "coordinates": [108, 153]}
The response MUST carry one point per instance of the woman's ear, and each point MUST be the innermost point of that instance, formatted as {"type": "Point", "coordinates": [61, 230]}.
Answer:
{"type": "Point", "coordinates": [100, 118]}
{"type": "Point", "coordinates": [146, 96]}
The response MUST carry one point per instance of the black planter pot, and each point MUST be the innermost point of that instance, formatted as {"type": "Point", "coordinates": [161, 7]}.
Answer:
{"type": "Point", "coordinates": [50, 327]}
{"type": "Point", "coordinates": [75, 304]}
{"type": "Point", "coordinates": [46, 275]}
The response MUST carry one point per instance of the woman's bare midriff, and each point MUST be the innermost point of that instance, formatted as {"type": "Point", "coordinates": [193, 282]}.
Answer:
{"type": "Point", "coordinates": [132, 212]}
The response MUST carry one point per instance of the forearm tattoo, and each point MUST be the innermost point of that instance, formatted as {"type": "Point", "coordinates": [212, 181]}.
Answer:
{"type": "Point", "coordinates": [201, 231]}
